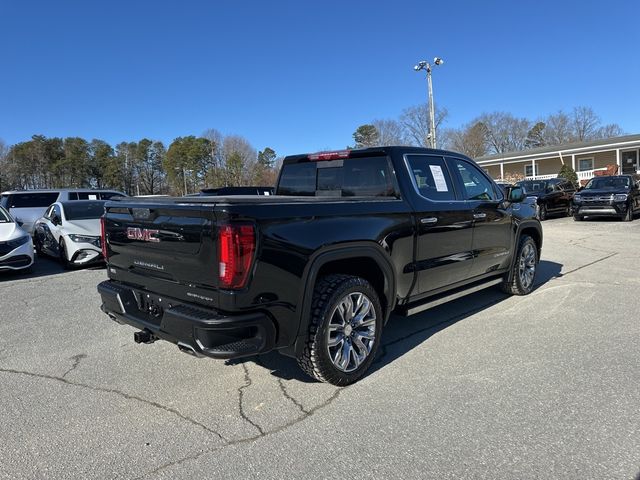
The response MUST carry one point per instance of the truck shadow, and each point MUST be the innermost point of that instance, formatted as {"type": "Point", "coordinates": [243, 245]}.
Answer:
{"type": "Point", "coordinates": [403, 334]}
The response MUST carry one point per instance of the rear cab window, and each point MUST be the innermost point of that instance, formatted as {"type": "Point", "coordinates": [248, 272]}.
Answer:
{"type": "Point", "coordinates": [348, 177]}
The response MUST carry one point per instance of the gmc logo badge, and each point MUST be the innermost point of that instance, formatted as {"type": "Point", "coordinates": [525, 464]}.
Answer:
{"type": "Point", "coordinates": [143, 234]}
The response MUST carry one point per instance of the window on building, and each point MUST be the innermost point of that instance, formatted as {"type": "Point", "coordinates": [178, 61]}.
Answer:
{"type": "Point", "coordinates": [528, 170]}
{"type": "Point", "coordinates": [585, 164]}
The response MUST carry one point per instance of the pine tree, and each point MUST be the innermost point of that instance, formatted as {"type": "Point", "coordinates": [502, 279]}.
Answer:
{"type": "Point", "coordinates": [569, 173]}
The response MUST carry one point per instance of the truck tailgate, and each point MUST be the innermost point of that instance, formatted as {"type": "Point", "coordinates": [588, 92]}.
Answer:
{"type": "Point", "coordinates": [169, 242]}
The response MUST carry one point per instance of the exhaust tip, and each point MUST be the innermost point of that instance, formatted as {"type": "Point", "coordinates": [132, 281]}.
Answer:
{"type": "Point", "coordinates": [186, 348]}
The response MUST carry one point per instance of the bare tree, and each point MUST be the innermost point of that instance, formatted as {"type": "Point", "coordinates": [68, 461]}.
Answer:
{"type": "Point", "coordinates": [239, 157]}
{"type": "Point", "coordinates": [504, 132]}
{"type": "Point", "coordinates": [415, 124]}
{"type": "Point", "coordinates": [214, 167]}
{"type": "Point", "coordinates": [389, 132]}
{"type": "Point", "coordinates": [584, 123]}
{"type": "Point", "coordinates": [470, 140]}
{"type": "Point", "coordinates": [610, 130]}
{"type": "Point", "coordinates": [558, 129]}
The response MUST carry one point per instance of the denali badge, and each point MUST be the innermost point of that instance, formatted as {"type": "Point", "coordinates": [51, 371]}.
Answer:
{"type": "Point", "coordinates": [143, 234]}
{"type": "Point", "coordinates": [140, 263]}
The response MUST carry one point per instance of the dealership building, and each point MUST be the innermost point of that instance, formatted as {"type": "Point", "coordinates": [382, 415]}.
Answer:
{"type": "Point", "coordinates": [586, 158]}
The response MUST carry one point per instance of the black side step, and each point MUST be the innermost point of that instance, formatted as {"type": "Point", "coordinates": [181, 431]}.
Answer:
{"type": "Point", "coordinates": [431, 302]}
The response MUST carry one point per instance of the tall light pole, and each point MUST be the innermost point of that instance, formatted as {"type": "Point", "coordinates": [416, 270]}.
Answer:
{"type": "Point", "coordinates": [424, 65]}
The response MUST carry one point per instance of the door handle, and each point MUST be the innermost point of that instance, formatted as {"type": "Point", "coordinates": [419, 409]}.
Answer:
{"type": "Point", "coordinates": [429, 220]}
{"type": "Point", "coordinates": [478, 216]}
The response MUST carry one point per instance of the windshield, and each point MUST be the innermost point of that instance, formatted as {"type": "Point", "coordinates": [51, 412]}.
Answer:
{"type": "Point", "coordinates": [83, 210]}
{"type": "Point", "coordinates": [533, 186]}
{"type": "Point", "coordinates": [4, 216]}
{"type": "Point", "coordinates": [608, 183]}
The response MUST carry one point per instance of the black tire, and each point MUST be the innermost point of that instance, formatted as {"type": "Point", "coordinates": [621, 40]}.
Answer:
{"type": "Point", "coordinates": [515, 282]}
{"type": "Point", "coordinates": [64, 260]}
{"type": "Point", "coordinates": [542, 212]}
{"type": "Point", "coordinates": [328, 295]}
{"type": "Point", "coordinates": [578, 218]}
{"type": "Point", "coordinates": [629, 215]}
{"type": "Point", "coordinates": [37, 246]}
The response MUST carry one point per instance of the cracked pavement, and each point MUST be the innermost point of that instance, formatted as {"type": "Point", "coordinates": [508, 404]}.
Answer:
{"type": "Point", "coordinates": [543, 386]}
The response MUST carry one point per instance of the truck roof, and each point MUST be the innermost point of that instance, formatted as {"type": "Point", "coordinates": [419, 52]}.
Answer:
{"type": "Point", "coordinates": [364, 152]}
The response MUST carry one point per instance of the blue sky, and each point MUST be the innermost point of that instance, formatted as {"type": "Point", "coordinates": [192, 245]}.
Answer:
{"type": "Point", "coordinates": [299, 75]}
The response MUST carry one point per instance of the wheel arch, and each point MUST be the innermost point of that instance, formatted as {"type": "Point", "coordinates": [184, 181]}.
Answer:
{"type": "Point", "coordinates": [363, 259]}
{"type": "Point", "coordinates": [534, 230]}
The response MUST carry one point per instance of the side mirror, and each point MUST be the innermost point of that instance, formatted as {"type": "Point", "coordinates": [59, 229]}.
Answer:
{"type": "Point", "coordinates": [56, 220]}
{"type": "Point", "coordinates": [19, 222]}
{"type": "Point", "coordinates": [516, 194]}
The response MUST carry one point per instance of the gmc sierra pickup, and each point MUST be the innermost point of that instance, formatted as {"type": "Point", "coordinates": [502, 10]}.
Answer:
{"type": "Point", "coordinates": [315, 270]}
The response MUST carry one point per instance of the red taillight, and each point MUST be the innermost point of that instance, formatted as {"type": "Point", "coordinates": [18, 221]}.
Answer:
{"type": "Point", "coordinates": [236, 246]}
{"type": "Point", "coordinates": [103, 239]}
{"type": "Point", "coordinates": [322, 156]}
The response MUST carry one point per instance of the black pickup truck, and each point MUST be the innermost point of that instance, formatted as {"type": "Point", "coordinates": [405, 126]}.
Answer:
{"type": "Point", "coordinates": [315, 270]}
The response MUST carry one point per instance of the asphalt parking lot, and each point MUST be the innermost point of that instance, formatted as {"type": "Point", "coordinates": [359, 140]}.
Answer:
{"type": "Point", "coordinates": [490, 386]}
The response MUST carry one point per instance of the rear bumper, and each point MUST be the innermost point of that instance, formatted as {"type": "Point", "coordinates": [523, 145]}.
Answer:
{"type": "Point", "coordinates": [196, 330]}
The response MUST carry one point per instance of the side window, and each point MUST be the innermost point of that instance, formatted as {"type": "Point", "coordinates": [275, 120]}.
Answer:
{"type": "Point", "coordinates": [431, 177]}
{"type": "Point", "coordinates": [85, 196]}
{"type": "Point", "coordinates": [57, 212]}
{"type": "Point", "coordinates": [475, 185]}
{"type": "Point", "coordinates": [73, 196]}
{"type": "Point", "coordinates": [48, 212]}
{"type": "Point", "coordinates": [366, 177]}
{"type": "Point", "coordinates": [108, 195]}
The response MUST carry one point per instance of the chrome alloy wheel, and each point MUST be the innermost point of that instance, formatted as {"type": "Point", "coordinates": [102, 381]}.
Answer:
{"type": "Point", "coordinates": [351, 331]}
{"type": "Point", "coordinates": [527, 265]}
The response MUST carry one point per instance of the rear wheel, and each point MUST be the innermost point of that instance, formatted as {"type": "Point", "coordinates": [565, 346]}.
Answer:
{"type": "Point", "coordinates": [542, 212]}
{"type": "Point", "coordinates": [520, 279]}
{"type": "Point", "coordinates": [344, 330]}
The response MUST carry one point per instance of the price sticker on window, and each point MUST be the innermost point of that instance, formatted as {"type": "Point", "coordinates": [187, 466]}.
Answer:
{"type": "Point", "coordinates": [438, 178]}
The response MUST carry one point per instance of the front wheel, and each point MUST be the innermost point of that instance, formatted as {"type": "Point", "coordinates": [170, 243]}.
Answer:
{"type": "Point", "coordinates": [344, 330]}
{"type": "Point", "coordinates": [64, 258]}
{"type": "Point", "coordinates": [578, 218]}
{"type": "Point", "coordinates": [629, 215]}
{"type": "Point", "coordinates": [520, 279]}
{"type": "Point", "coordinates": [37, 245]}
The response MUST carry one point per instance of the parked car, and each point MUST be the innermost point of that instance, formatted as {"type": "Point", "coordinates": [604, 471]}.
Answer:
{"type": "Point", "coordinates": [552, 196]}
{"type": "Point", "coordinates": [70, 231]}
{"type": "Point", "coordinates": [16, 247]}
{"type": "Point", "coordinates": [28, 206]}
{"type": "Point", "coordinates": [315, 270]}
{"type": "Point", "coordinates": [614, 195]}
